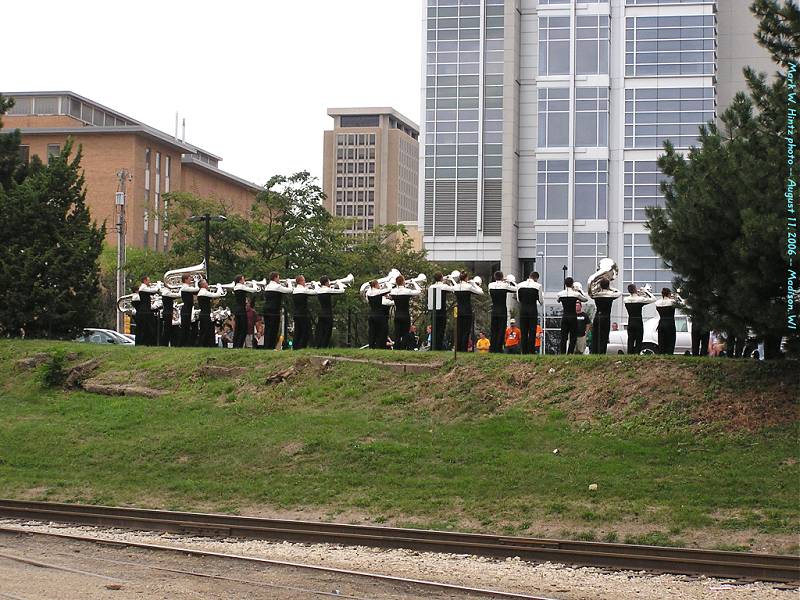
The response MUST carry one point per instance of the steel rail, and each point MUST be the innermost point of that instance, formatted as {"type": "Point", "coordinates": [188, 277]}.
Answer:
{"type": "Point", "coordinates": [712, 563]}
{"type": "Point", "coordinates": [267, 561]}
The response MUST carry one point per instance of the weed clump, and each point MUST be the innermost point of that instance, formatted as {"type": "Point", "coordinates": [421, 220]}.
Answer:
{"type": "Point", "coordinates": [53, 372]}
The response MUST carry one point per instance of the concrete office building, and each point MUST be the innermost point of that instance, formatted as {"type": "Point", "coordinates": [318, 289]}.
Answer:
{"type": "Point", "coordinates": [370, 167]}
{"type": "Point", "coordinates": [543, 121]}
{"type": "Point", "coordinates": [157, 162]}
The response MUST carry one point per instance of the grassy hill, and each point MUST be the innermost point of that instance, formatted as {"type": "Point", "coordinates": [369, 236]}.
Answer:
{"type": "Point", "coordinates": [683, 451]}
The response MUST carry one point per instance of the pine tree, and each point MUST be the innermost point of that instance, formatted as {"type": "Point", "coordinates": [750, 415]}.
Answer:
{"type": "Point", "coordinates": [49, 256]}
{"type": "Point", "coordinates": [723, 226]}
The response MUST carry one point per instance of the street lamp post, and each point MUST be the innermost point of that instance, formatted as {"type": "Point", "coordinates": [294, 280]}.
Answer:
{"type": "Point", "coordinates": [207, 218]}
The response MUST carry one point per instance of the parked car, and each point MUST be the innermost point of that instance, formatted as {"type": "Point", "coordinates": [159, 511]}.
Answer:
{"type": "Point", "coordinates": [104, 336]}
{"type": "Point", "coordinates": [618, 340]}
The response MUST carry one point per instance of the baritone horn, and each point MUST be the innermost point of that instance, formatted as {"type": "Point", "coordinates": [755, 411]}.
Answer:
{"type": "Point", "coordinates": [343, 282]}
{"type": "Point", "coordinates": [174, 278]}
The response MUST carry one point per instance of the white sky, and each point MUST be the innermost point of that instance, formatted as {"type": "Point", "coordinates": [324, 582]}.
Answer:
{"type": "Point", "coordinates": [252, 78]}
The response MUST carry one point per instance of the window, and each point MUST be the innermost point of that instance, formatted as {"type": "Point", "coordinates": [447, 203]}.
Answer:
{"type": "Point", "coordinates": [359, 120]}
{"type": "Point", "coordinates": [642, 265]}
{"type": "Point", "coordinates": [53, 150]}
{"type": "Point", "coordinates": [587, 250]}
{"type": "Point", "coordinates": [592, 45]}
{"type": "Point", "coordinates": [670, 45]}
{"type": "Point", "coordinates": [147, 168]}
{"type": "Point", "coordinates": [552, 189]}
{"type": "Point", "coordinates": [642, 188]}
{"type": "Point", "coordinates": [24, 154]}
{"type": "Point", "coordinates": [654, 115]}
{"type": "Point", "coordinates": [591, 117]}
{"type": "Point", "coordinates": [591, 189]}
{"type": "Point", "coordinates": [554, 117]}
{"type": "Point", "coordinates": [554, 55]}
{"type": "Point", "coordinates": [630, 2]}
{"type": "Point", "coordinates": [22, 106]}
{"type": "Point", "coordinates": [45, 106]}
{"type": "Point", "coordinates": [554, 247]}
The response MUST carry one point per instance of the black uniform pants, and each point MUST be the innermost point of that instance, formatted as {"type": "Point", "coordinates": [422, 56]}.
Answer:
{"type": "Point", "coordinates": [272, 326]}
{"type": "Point", "coordinates": [240, 329]}
{"type": "Point", "coordinates": [402, 325]}
{"type": "Point", "coordinates": [166, 332]}
{"type": "Point", "coordinates": [569, 332]}
{"type": "Point", "coordinates": [699, 342]}
{"type": "Point", "coordinates": [666, 338]}
{"type": "Point", "coordinates": [324, 331]}
{"type": "Point", "coordinates": [145, 324]}
{"type": "Point", "coordinates": [302, 332]}
{"type": "Point", "coordinates": [464, 324]}
{"type": "Point", "coordinates": [377, 332]}
{"type": "Point", "coordinates": [207, 337]}
{"type": "Point", "coordinates": [527, 326]}
{"type": "Point", "coordinates": [437, 341]}
{"type": "Point", "coordinates": [600, 332]}
{"type": "Point", "coordinates": [497, 332]}
{"type": "Point", "coordinates": [635, 336]}
{"type": "Point", "coordinates": [187, 336]}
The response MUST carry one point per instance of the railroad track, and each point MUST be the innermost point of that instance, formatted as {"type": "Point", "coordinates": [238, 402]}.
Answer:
{"type": "Point", "coordinates": [711, 563]}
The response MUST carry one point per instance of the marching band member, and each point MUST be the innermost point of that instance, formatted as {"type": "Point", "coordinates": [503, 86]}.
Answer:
{"type": "Point", "coordinates": [302, 319]}
{"type": "Point", "coordinates": [378, 326]}
{"type": "Point", "coordinates": [188, 292]}
{"type": "Point", "coordinates": [240, 291]}
{"type": "Point", "coordinates": [204, 297]}
{"type": "Point", "coordinates": [273, 299]}
{"type": "Point", "coordinates": [464, 291]}
{"type": "Point", "coordinates": [666, 321]}
{"type": "Point", "coordinates": [529, 296]}
{"type": "Point", "coordinates": [146, 322]}
{"type": "Point", "coordinates": [136, 303]}
{"type": "Point", "coordinates": [568, 297]}
{"type": "Point", "coordinates": [499, 289]}
{"type": "Point", "coordinates": [401, 295]}
{"type": "Point", "coordinates": [634, 304]}
{"type": "Point", "coordinates": [602, 318]}
{"type": "Point", "coordinates": [168, 297]}
{"type": "Point", "coordinates": [325, 318]}
{"type": "Point", "coordinates": [440, 314]}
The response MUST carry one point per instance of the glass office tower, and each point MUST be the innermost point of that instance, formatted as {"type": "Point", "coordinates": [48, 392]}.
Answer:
{"type": "Point", "coordinates": [543, 120]}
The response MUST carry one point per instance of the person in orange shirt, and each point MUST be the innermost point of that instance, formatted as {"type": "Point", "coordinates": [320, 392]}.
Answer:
{"type": "Point", "coordinates": [513, 337]}
{"type": "Point", "coordinates": [483, 344]}
{"type": "Point", "coordinates": [538, 339]}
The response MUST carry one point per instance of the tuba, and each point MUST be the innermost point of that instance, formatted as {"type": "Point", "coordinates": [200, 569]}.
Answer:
{"type": "Point", "coordinates": [174, 278]}
{"type": "Point", "coordinates": [124, 304]}
{"type": "Point", "coordinates": [607, 269]}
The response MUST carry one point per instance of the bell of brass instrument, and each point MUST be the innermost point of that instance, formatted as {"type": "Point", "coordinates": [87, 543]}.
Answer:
{"type": "Point", "coordinates": [510, 279]}
{"type": "Point", "coordinates": [174, 278]}
{"type": "Point", "coordinates": [382, 282]}
{"type": "Point", "coordinates": [607, 269]}
{"type": "Point", "coordinates": [124, 304]}
{"type": "Point", "coordinates": [476, 280]}
{"type": "Point", "coordinates": [420, 279]}
{"type": "Point", "coordinates": [343, 282]}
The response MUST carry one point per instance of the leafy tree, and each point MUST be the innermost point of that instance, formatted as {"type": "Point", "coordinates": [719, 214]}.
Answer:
{"type": "Point", "coordinates": [723, 229]}
{"type": "Point", "coordinates": [50, 250]}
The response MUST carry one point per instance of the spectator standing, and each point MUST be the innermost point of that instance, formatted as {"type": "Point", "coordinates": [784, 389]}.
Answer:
{"type": "Point", "coordinates": [582, 324]}
{"type": "Point", "coordinates": [258, 337]}
{"type": "Point", "coordinates": [513, 338]}
{"type": "Point", "coordinates": [483, 344]}
{"type": "Point", "coordinates": [538, 339]}
{"type": "Point", "coordinates": [251, 323]}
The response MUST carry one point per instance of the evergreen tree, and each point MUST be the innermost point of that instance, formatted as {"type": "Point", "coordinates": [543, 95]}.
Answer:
{"type": "Point", "coordinates": [723, 226]}
{"type": "Point", "coordinates": [49, 256]}
{"type": "Point", "coordinates": [12, 168]}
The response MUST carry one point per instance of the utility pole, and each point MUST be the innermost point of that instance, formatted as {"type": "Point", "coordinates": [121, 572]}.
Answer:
{"type": "Point", "coordinates": [119, 201]}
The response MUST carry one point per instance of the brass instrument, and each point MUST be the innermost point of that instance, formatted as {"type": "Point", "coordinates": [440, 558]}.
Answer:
{"type": "Point", "coordinates": [343, 282]}
{"type": "Point", "coordinates": [383, 282]}
{"type": "Point", "coordinates": [174, 278]}
{"type": "Point", "coordinates": [124, 304]}
{"type": "Point", "coordinates": [510, 279]}
{"type": "Point", "coordinates": [607, 269]}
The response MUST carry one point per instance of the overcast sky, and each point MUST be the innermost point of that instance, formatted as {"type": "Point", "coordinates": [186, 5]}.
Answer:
{"type": "Point", "coordinates": [252, 78]}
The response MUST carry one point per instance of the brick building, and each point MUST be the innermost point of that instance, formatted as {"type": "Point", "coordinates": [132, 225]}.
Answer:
{"type": "Point", "coordinates": [157, 163]}
{"type": "Point", "coordinates": [370, 167]}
